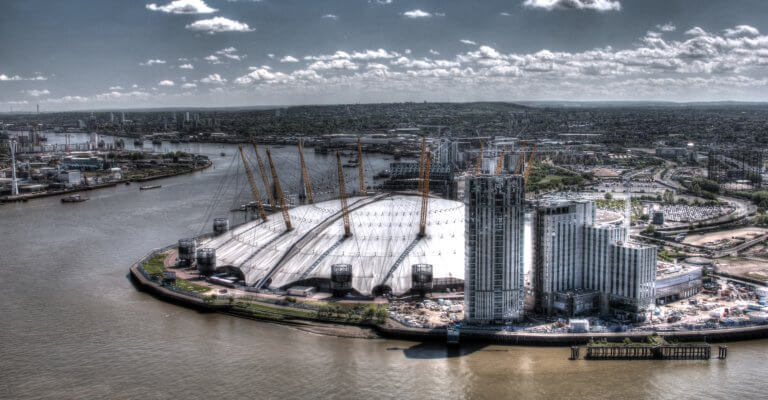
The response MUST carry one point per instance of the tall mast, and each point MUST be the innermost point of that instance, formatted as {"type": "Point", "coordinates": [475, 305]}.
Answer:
{"type": "Point", "coordinates": [14, 184]}
{"type": "Point", "coordinates": [343, 196]}
{"type": "Point", "coordinates": [252, 182]}
{"type": "Point", "coordinates": [305, 174]}
{"type": "Point", "coordinates": [425, 197]}
{"type": "Point", "coordinates": [263, 173]}
{"type": "Point", "coordinates": [360, 168]}
{"type": "Point", "coordinates": [280, 194]}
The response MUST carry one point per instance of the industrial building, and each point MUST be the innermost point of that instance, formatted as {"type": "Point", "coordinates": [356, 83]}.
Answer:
{"type": "Point", "coordinates": [676, 282]}
{"type": "Point", "coordinates": [580, 266]}
{"type": "Point", "coordinates": [494, 284]}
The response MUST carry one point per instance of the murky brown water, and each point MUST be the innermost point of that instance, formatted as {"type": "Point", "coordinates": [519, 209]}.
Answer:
{"type": "Point", "coordinates": [73, 326]}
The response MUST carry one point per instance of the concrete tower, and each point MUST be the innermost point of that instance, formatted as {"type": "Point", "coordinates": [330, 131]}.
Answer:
{"type": "Point", "coordinates": [493, 265]}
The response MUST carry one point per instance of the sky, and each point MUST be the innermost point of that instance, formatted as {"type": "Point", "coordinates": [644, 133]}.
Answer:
{"type": "Point", "coordinates": [109, 54]}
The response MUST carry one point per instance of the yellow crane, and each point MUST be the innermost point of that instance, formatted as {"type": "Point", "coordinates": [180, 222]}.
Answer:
{"type": "Point", "coordinates": [520, 161]}
{"type": "Point", "coordinates": [422, 152]}
{"type": "Point", "coordinates": [305, 174]}
{"type": "Point", "coordinates": [360, 168]}
{"type": "Point", "coordinates": [479, 162]}
{"type": "Point", "coordinates": [530, 165]}
{"type": "Point", "coordinates": [280, 194]}
{"type": "Point", "coordinates": [343, 196]}
{"type": "Point", "coordinates": [425, 197]}
{"type": "Point", "coordinates": [500, 161]}
{"type": "Point", "coordinates": [252, 182]}
{"type": "Point", "coordinates": [264, 178]}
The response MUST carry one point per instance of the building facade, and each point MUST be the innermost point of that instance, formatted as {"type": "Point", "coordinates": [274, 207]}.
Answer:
{"type": "Point", "coordinates": [494, 280]}
{"type": "Point", "coordinates": [580, 266]}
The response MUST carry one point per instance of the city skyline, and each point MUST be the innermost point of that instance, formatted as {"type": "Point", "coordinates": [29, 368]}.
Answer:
{"type": "Point", "coordinates": [215, 53]}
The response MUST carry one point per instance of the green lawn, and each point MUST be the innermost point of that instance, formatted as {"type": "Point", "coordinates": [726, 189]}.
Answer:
{"type": "Point", "coordinates": [183, 284]}
{"type": "Point", "coordinates": [155, 265]}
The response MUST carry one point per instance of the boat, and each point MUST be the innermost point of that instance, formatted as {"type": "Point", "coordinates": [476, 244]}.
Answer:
{"type": "Point", "coordinates": [150, 187]}
{"type": "Point", "coordinates": [75, 198]}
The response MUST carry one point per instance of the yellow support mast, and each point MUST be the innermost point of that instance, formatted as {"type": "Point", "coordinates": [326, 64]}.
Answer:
{"type": "Point", "coordinates": [422, 152]}
{"type": "Point", "coordinates": [305, 174]}
{"type": "Point", "coordinates": [360, 167]}
{"type": "Point", "coordinates": [264, 178]}
{"type": "Point", "coordinates": [500, 162]}
{"type": "Point", "coordinates": [479, 162]}
{"type": "Point", "coordinates": [520, 161]}
{"type": "Point", "coordinates": [530, 165]}
{"type": "Point", "coordinates": [252, 182]}
{"type": "Point", "coordinates": [343, 197]}
{"type": "Point", "coordinates": [280, 194]}
{"type": "Point", "coordinates": [425, 197]}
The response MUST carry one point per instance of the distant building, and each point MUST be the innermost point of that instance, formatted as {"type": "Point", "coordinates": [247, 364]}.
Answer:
{"type": "Point", "coordinates": [580, 267]}
{"type": "Point", "coordinates": [494, 286]}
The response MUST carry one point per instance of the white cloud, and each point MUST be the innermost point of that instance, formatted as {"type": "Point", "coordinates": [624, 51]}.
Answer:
{"type": "Point", "coordinates": [115, 88]}
{"type": "Point", "coordinates": [4, 77]}
{"type": "Point", "coordinates": [270, 55]}
{"type": "Point", "coordinates": [37, 93]}
{"type": "Point", "coordinates": [289, 59]}
{"type": "Point", "coordinates": [166, 83]}
{"type": "Point", "coordinates": [383, 2]}
{"type": "Point", "coordinates": [596, 5]}
{"type": "Point", "coordinates": [467, 41]}
{"type": "Point", "coordinates": [505, 14]}
{"type": "Point", "coordinates": [417, 13]}
{"type": "Point", "coordinates": [356, 55]}
{"type": "Point", "coordinates": [230, 53]}
{"type": "Point", "coordinates": [188, 86]}
{"type": "Point", "coordinates": [218, 25]}
{"type": "Point", "coordinates": [330, 16]}
{"type": "Point", "coordinates": [668, 27]}
{"type": "Point", "coordinates": [214, 79]}
{"type": "Point", "coordinates": [741, 31]}
{"type": "Point", "coordinates": [151, 62]}
{"type": "Point", "coordinates": [434, 52]}
{"type": "Point", "coordinates": [187, 66]}
{"type": "Point", "coordinates": [212, 59]}
{"type": "Point", "coordinates": [333, 64]}
{"type": "Point", "coordinates": [183, 7]}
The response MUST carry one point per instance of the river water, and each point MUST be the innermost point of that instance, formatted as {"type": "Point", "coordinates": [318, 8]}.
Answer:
{"type": "Point", "coordinates": [73, 326]}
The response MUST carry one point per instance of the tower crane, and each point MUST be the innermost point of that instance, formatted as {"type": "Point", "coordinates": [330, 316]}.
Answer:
{"type": "Point", "coordinates": [425, 197]}
{"type": "Point", "coordinates": [479, 163]}
{"type": "Point", "coordinates": [252, 182]}
{"type": "Point", "coordinates": [305, 174]}
{"type": "Point", "coordinates": [500, 161]}
{"type": "Point", "coordinates": [530, 165]}
{"type": "Point", "coordinates": [343, 197]}
{"type": "Point", "coordinates": [280, 194]}
{"type": "Point", "coordinates": [263, 173]}
{"type": "Point", "coordinates": [520, 161]}
{"type": "Point", "coordinates": [422, 152]}
{"type": "Point", "coordinates": [360, 167]}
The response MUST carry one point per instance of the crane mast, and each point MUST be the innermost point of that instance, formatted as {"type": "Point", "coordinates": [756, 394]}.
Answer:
{"type": "Point", "coordinates": [343, 197]}
{"type": "Point", "coordinates": [305, 175]}
{"type": "Point", "coordinates": [500, 162]}
{"type": "Point", "coordinates": [425, 197]}
{"type": "Point", "coordinates": [422, 152]}
{"type": "Point", "coordinates": [280, 194]}
{"type": "Point", "coordinates": [520, 161]}
{"type": "Point", "coordinates": [530, 165]}
{"type": "Point", "coordinates": [479, 162]}
{"type": "Point", "coordinates": [360, 168]}
{"type": "Point", "coordinates": [252, 182]}
{"type": "Point", "coordinates": [264, 178]}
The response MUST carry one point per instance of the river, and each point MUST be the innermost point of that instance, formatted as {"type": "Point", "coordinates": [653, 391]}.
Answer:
{"type": "Point", "coordinates": [73, 325]}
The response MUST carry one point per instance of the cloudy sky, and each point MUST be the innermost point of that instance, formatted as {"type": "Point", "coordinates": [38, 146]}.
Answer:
{"type": "Point", "coordinates": [87, 54]}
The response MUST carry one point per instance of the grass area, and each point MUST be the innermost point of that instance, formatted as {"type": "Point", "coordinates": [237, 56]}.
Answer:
{"type": "Point", "coordinates": [546, 177]}
{"type": "Point", "coordinates": [155, 265]}
{"type": "Point", "coordinates": [330, 312]}
{"type": "Point", "coordinates": [183, 284]}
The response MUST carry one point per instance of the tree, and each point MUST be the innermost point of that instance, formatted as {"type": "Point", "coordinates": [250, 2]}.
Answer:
{"type": "Point", "coordinates": [608, 196]}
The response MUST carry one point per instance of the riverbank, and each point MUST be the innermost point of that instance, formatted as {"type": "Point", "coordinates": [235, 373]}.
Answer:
{"type": "Point", "coordinates": [298, 319]}
{"type": "Point", "coordinates": [31, 196]}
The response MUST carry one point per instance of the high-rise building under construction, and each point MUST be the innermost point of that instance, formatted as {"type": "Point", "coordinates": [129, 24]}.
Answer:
{"type": "Point", "coordinates": [493, 270]}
